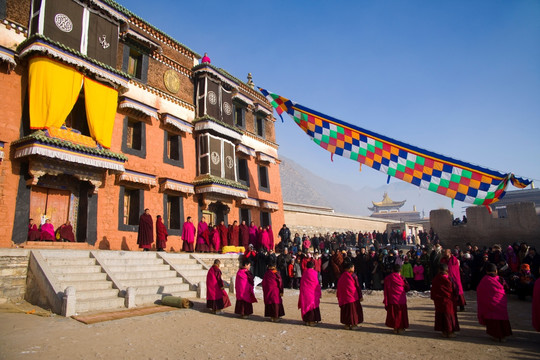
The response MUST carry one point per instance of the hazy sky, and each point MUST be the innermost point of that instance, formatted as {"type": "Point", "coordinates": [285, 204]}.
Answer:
{"type": "Point", "coordinates": [460, 78]}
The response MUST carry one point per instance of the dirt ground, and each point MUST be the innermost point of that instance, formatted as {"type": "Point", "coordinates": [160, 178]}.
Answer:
{"type": "Point", "coordinates": [197, 334]}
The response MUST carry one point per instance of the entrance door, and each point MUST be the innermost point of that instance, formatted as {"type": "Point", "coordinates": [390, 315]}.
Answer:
{"type": "Point", "coordinates": [50, 202]}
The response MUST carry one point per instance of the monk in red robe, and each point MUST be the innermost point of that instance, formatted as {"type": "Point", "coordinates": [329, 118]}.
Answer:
{"type": "Point", "coordinates": [253, 234]}
{"type": "Point", "coordinates": [243, 235]}
{"type": "Point", "coordinates": [216, 297]}
{"type": "Point", "coordinates": [444, 294]}
{"type": "Point", "coordinates": [245, 297]}
{"type": "Point", "coordinates": [455, 274]}
{"type": "Point", "coordinates": [310, 295]}
{"type": "Point", "coordinates": [161, 234]}
{"type": "Point", "coordinates": [395, 300]}
{"type": "Point", "coordinates": [493, 304]}
{"type": "Point", "coordinates": [272, 285]}
{"type": "Point", "coordinates": [215, 239]}
{"type": "Point", "coordinates": [349, 297]}
{"type": "Point", "coordinates": [145, 237]}
{"type": "Point", "coordinates": [33, 232]}
{"type": "Point", "coordinates": [270, 237]}
{"type": "Point", "coordinates": [66, 232]}
{"type": "Point", "coordinates": [536, 305]}
{"type": "Point", "coordinates": [223, 233]}
{"type": "Point", "coordinates": [203, 240]}
{"type": "Point", "coordinates": [233, 234]}
{"type": "Point", "coordinates": [264, 239]}
{"type": "Point", "coordinates": [47, 231]}
{"type": "Point", "coordinates": [188, 235]}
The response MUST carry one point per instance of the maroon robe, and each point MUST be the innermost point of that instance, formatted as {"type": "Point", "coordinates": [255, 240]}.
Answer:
{"type": "Point", "coordinates": [223, 234]}
{"type": "Point", "coordinates": [233, 235]}
{"type": "Point", "coordinates": [272, 291]}
{"type": "Point", "coordinates": [395, 301]}
{"type": "Point", "coordinates": [146, 231]}
{"type": "Point", "coordinates": [203, 240]}
{"type": "Point", "coordinates": [349, 295]}
{"type": "Point", "coordinates": [215, 295]}
{"type": "Point", "coordinates": [66, 233]}
{"type": "Point", "coordinates": [253, 236]}
{"type": "Point", "coordinates": [47, 232]}
{"type": "Point", "coordinates": [161, 234]}
{"type": "Point", "coordinates": [188, 236]}
{"type": "Point", "coordinates": [243, 235]}
{"type": "Point", "coordinates": [444, 294]}
{"type": "Point", "coordinates": [270, 238]}
{"type": "Point", "coordinates": [33, 233]}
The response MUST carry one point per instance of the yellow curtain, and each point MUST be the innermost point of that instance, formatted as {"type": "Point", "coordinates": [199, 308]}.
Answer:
{"type": "Point", "coordinates": [101, 102]}
{"type": "Point", "coordinates": [53, 90]}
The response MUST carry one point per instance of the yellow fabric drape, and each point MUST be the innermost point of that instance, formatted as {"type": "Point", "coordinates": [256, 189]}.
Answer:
{"type": "Point", "coordinates": [53, 90]}
{"type": "Point", "coordinates": [101, 102]}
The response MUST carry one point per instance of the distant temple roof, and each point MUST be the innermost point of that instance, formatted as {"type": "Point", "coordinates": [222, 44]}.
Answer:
{"type": "Point", "coordinates": [386, 203]}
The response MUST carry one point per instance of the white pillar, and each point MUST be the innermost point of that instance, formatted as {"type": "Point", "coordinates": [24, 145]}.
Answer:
{"type": "Point", "coordinates": [69, 301]}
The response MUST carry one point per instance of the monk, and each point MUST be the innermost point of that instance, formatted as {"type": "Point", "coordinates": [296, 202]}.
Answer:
{"type": "Point", "coordinates": [243, 235]}
{"type": "Point", "coordinates": [253, 234]}
{"type": "Point", "coordinates": [264, 239]}
{"type": "Point", "coordinates": [202, 236]}
{"type": "Point", "coordinates": [272, 285]}
{"type": "Point", "coordinates": [161, 234]}
{"type": "Point", "coordinates": [216, 297]}
{"type": "Point", "coordinates": [395, 300]}
{"type": "Point", "coordinates": [245, 297]}
{"type": "Point", "coordinates": [455, 275]}
{"type": "Point", "coordinates": [270, 237]}
{"type": "Point", "coordinates": [47, 231]}
{"type": "Point", "coordinates": [233, 234]}
{"type": "Point", "coordinates": [444, 294]}
{"type": "Point", "coordinates": [349, 297]}
{"type": "Point", "coordinates": [33, 232]}
{"type": "Point", "coordinates": [145, 237]}
{"type": "Point", "coordinates": [188, 235]}
{"type": "Point", "coordinates": [215, 240]}
{"type": "Point", "coordinates": [223, 233]}
{"type": "Point", "coordinates": [493, 305]}
{"type": "Point", "coordinates": [536, 305]}
{"type": "Point", "coordinates": [66, 232]}
{"type": "Point", "coordinates": [310, 295]}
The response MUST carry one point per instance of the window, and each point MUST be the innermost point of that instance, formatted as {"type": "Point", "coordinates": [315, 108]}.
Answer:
{"type": "Point", "coordinates": [131, 205]}
{"type": "Point", "coordinates": [266, 219]}
{"type": "Point", "coordinates": [135, 62]}
{"type": "Point", "coordinates": [173, 153]}
{"type": "Point", "coordinates": [259, 125]}
{"type": "Point", "coordinates": [264, 184]}
{"type": "Point", "coordinates": [173, 212]}
{"type": "Point", "coordinates": [243, 171]}
{"type": "Point", "coordinates": [77, 117]}
{"type": "Point", "coordinates": [217, 157]}
{"type": "Point", "coordinates": [203, 155]}
{"type": "Point", "coordinates": [239, 113]}
{"type": "Point", "coordinates": [134, 137]}
{"type": "Point", "coordinates": [245, 215]}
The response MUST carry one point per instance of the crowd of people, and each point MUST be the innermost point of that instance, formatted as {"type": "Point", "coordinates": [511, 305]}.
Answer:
{"type": "Point", "coordinates": [47, 232]}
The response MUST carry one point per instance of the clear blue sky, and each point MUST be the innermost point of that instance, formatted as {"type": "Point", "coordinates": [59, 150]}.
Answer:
{"type": "Point", "coordinates": [460, 78]}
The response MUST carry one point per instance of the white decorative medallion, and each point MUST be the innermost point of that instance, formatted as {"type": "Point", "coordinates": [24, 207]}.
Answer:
{"type": "Point", "coordinates": [215, 158]}
{"type": "Point", "coordinates": [212, 98]}
{"type": "Point", "coordinates": [227, 108]}
{"type": "Point", "coordinates": [229, 162]}
{"type": "Point", "coordinates": [103, 41]}
{"type": "Point", "coordinates": [63, 22]}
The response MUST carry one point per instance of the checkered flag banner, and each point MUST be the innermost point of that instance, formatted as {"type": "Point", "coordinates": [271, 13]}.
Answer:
{"type": "Point", "coordinates": [449, 177]}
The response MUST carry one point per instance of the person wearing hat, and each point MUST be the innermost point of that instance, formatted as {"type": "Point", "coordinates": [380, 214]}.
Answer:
{"type": "Point", "coordinates": [525, 285]}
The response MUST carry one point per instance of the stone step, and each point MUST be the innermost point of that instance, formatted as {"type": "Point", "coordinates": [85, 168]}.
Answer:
{"type": "Point", "coordinates": [145, 275]}
{"type": "Point", "coordinates": [152, 282]}
{"type": "Point", "coordinates": [156, 298]}
{"type": "Point", "coordinates": [128, 254]}
{"type": "Point", "coordinates": [87, 285]}
{"type": "Point", "coordinates": [75, 277]}
{"type": "Point", "coordinates": [183, 262]}
{"type": "Point", "coordinates": [131, 261]}
{"type": "Point", "coordinates": [197, 279]}
{"type": "Point", "coordinates": [70, 262]}
{"type": "Point", "coordinates": [108, 303]}
{"type": "Point", "coordinates": [65, 254]}
{"type": "Point", "coordinates": [190, 267]}
{"type": "Point", "coordinates": [138, 268]}
{"type": "Point", "coordinates": [162, 289]}
{"type": "Point", "coordinates": [179, 256]}
{"type": "Point", "coordinates": [193, 272]}
{"type": "Point", "coordinates": [75, 269]}
{"type": "Point", "coordinates": [96, 294]}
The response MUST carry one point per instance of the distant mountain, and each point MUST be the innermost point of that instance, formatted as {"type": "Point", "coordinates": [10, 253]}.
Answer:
{"type": "Point", "coordinates": [299, 185]}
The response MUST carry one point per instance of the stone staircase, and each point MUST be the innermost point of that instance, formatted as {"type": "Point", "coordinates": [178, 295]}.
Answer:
{"type": "Point", "coordinates": [102, 278]}
{"type": "Point", "coordinates": [94, 291]}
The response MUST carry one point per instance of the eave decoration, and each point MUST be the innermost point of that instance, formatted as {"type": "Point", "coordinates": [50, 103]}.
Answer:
{"type": "Point", "coordinates": [438, 173]}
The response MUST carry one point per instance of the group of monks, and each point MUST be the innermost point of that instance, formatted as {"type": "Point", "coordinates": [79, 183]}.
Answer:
{"type": "Point", "coordinates": [211, 238]}
{"type": "Point", "coordinates": [145, 237]}
{"type": "Point", "coordinates": [46, 232]}
{"type": "Point", "coordinates": [491, 298]}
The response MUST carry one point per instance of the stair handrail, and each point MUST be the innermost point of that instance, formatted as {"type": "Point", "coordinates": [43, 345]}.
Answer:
{"type": "Point", "coordinates": [46, 280]}
{"type": "Point", "coordinates": [116, 282]}
{"type": "Point", "coordinates": [167, 259]}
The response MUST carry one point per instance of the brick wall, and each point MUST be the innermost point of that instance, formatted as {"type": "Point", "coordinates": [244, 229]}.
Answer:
{"type": "Point", "coordinates": [13, 271]}
{"type": "Point", "coordinates": [229, 263]}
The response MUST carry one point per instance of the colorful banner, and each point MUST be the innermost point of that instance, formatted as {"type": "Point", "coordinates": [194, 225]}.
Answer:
{"type": "Point", "coordinates": [446, 176]}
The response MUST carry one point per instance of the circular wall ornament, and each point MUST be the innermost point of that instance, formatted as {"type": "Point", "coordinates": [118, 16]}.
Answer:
{"type": "Point", "coordinates": [215, 158]}
{"type": "Point", "coordinates": [212, 98]}
{"type": "Point", "coordinates": [227, 108]}
{"type": "Point", "coordinates": [172, 81]}
{"type": "Point", "coordinates": [63, 22]}
{"type": "Point", "coordinates": [229, 162]}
